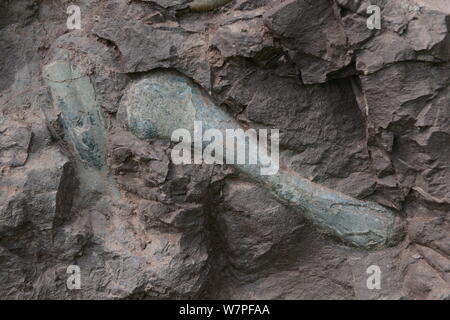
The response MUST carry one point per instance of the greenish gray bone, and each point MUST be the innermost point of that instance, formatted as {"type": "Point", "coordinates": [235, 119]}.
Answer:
{"type": "Point", "coordinates": [207, 5]}
{"type": "Point", "coordinates": [163, 102]}
{"type": "Point", "coordinates": [74, 96]}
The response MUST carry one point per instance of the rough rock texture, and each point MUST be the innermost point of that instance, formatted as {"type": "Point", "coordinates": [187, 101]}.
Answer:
{"type": "Point", "coordinates": [363, 112]}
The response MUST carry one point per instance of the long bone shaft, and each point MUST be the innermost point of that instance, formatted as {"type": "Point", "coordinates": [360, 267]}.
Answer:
{"type": "Point", "coordinates": [163, 102]}
{"type": "Point", "coordinates": [207, 5]}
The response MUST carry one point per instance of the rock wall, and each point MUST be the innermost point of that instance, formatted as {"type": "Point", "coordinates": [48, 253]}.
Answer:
{"type": "Point", "coordinates": [363, 112]}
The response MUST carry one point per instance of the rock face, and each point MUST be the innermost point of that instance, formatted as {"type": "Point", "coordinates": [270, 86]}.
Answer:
{"type": "Point", "coordinates": [86, 181]}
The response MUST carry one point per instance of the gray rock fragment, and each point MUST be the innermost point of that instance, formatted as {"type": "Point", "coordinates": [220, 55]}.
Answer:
{"type": "Point", "coordinates": [15, 138]}
{"type": "Point", "coordinates": [40, 193]}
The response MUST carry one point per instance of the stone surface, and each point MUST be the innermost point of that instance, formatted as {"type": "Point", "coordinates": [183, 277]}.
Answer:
{"type": "Point", "coordinates": [253, 226]}
{"type": "Point", "coordinates": [14, 143]}
{"type": "Point", "coordinates": [363, 112]}
{"type": "Point", "coordinates": [313, 35]}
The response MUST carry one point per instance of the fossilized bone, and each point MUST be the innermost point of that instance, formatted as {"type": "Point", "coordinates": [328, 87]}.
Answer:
{"type": "Point", "coordinates": [164, 101]}
{"type": "Point", "coordinates": [156, 106]}
{"type": "Point", "coordinates": [74, 96]}
{"type": "Point", "coordinates": [207, 5]}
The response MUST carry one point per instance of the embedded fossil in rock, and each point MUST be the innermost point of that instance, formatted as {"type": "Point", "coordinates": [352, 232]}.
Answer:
{"type": "Point", "coordinates": [207, 5]}
{"type": "Point", "coordinates": [364, 112]}
{"type": "Point", "coordinates": [73, 95]}
{"type": "Point", "coordinates": [163, 102]}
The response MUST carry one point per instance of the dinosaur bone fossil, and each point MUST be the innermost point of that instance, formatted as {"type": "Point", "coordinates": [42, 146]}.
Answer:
{"type": "Point", "coordinates": [163, 102]}
{"type": "Point", "coordinates": [74, 97]}
{"type": "Point", "coordinates": [207, 5]}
